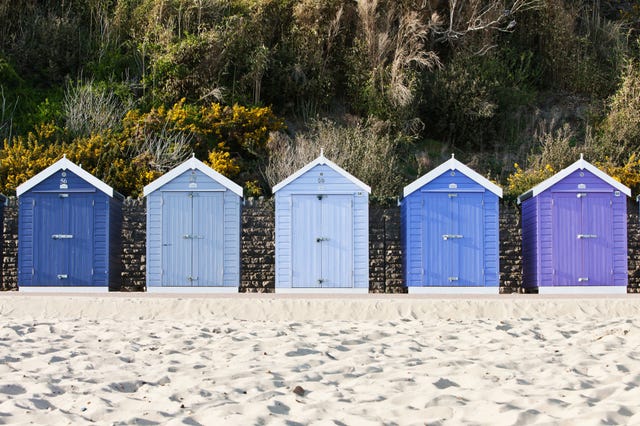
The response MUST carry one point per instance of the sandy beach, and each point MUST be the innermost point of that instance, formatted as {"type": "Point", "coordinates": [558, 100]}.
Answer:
{"type": "Point", "coordinates": [268, 359]}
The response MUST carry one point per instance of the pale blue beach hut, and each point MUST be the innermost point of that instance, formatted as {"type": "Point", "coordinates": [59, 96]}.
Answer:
{"type": "Point", "coordinates": [322, 231]}
{"type": "Point", "coordinates": [193, 231]}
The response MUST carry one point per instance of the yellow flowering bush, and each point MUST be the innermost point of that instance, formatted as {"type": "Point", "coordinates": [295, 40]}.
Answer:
{"type": "Point", "coordinates": [520, 181]}
{"type": "Point", "coordinates": [628, 174]}
{"type": "Point", "coordinates": [221, 161]}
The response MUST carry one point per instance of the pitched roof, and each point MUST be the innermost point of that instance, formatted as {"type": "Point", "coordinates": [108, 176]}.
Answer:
{"type": "Point", "coordinates": [321, 160]}
{"type": "Point", "coordinates": [452, 164]}
{"type": "Point", "coordinates": [65, 164]}
{"type": "Point", "coordinates": [581, 164]}
{"type": "Point", "coordinates": [192, 164]}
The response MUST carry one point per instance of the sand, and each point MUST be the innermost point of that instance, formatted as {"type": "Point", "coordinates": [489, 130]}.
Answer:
{"type": "Point", "coordinates": [143, 359]}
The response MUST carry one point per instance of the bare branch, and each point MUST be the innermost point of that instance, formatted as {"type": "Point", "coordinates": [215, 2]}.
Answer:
{"type": "Point", "coordinates": [479, 15]}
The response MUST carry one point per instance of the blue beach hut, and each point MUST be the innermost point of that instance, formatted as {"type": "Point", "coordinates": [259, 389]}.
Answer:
{"type": "Point", "coordinates": [193, 231]}
{"type": "Point", "coordinates": [322, 231]}
{"type": "Point", "coordinates": [69, 228]}
{"type": "Point", "coordinates": [574, 233]}
{"type": "Point", "coordinates": [450, 231]}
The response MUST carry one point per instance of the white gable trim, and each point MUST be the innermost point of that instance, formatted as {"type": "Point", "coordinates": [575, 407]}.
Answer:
{"type": "Point", "coordinates": [64, 164]}
{"type": "Point", "coordinates": [452, 164]}
{"type": "Point", "coordinates": [321, 160]}
{"type": "Point", "coordinates": [581, 164]}
{"type": "Point", "coordinates": [192, 164]}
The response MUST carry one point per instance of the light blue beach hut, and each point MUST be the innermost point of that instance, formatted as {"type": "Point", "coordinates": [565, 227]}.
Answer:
{"type": "Point", "coordinates": [69, 227]}
{"type": "Point", "coordinates": [193, 231]}
{"type": "Point", "coordinates": [450, 232]}
{"type": "Point", "coordinates": [322, 231]}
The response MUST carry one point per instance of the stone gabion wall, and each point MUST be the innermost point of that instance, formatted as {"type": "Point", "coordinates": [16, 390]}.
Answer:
{"type": "Point", "coordinates": [385, 251]}
{"type": "Point", "coordinates": [134, 244]}
{"type": "Point", "coordinates": [10, 245]}
{"type": "Point", "coordinates": [258, 247]}
{"type": "Point", "coordinates": [633, 247]}
{"type": "Point", "coordinates": [510, 249]}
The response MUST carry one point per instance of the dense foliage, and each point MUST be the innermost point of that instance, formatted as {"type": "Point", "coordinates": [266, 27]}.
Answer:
{"type": "Point", "coordinates": [130, 88]}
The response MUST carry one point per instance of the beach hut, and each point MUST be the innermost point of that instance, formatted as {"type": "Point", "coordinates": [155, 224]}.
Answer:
{"type": "Point", "coordinates": [69, 228]}
{"type": "Point", "coordinates": [574, 232]}
{"type": "Point", "coordinates": [322, 231]}
{"type": "Point", "coordinates": [193, 231]}
{"type": "Point", "coordinates": [450, 231]}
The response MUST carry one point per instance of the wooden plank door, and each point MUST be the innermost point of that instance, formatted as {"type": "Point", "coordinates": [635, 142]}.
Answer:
{"type": "Point", "coordinates": [177, 227]}
{"type": "Point", "coordinates": [306, 243]}
{"type": "Point", "coordinates": [437, 248]}
{"type": "Point", "coordinates": [566, 246]}
{"type": "Point", "coordinates": [79, 211]}
{"type": "Point", "coordinates": [337, 241]}
{"type": "Point", "coordinates": [468, 249]}
{"type": "Point", "coordinates": [50, 251]}
{"type": "Point", "coordinates": [597, 239]}
{"type": "Point", "coordinates": [208, 239]}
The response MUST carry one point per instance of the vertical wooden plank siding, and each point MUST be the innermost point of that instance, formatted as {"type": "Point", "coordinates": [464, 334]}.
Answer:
{"type": "Point", "coordinates": [67, 234]}
{"type": "Point", "coordinates": [298, 254]}
{"type": "Point", "coordinates": [451, 233]}
{"type": "Point", "coordinates": [575, 234]}
{"type": "Point", "coordinates": [200, 218]}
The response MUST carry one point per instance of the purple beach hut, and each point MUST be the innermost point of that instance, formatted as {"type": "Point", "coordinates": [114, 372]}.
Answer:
{"type": "Point", "coordinates": [574, 233]}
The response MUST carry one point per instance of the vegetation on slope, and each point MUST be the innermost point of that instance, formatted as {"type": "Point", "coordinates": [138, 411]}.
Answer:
{"type": "Point", "coordinates": [129, 88]}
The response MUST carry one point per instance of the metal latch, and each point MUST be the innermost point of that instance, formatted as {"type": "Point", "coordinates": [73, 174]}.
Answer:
{"type": "Point", "coordinates": [320, 280]}
{"type": "Point", "coordinates": [192, 237]}
{"type": "Point", "coordinates": [581, 236]}
{"type": "Point", "coordinates": [453, 279]}
{"type": "Point", "coordinates": [62, 236]}
{"type": "Point", "coordinates": [582, 279]}
{"type": "Point", "coordinates": [452, 195]}
{"type": "Point", "coordinates": [451, 236]}
{"type": "Point", "coordinates": [321, 239]}
{"type": "Point", "coordinates": [581, 194]}
{"type": "Point", "coordinates": [190, 278]}
{"type": "Point", "coordinates": [62, 276]}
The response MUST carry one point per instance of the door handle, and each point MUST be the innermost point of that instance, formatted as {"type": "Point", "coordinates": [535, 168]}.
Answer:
{"type": "Point", "coordinates": [61, 236]}
{"type": "Point", "coordinates": [321, 239]}
{"type": "Point", "coordinates": [62, 276]}
{"type": "Point", "coordinates": [453, 279]}
{"type": "Point", "coordinates": [582, 236]}
{"type": "Point", "coordinates": [451, 236]}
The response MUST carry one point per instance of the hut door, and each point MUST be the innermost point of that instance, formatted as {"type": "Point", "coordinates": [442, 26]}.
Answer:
{"type": "Point", "coordinates": [63, 253]}
{"type": "Point", "coordinates": [437, 246]}
{"type": "Point", "coordinates": [322, 241]}
{"type": "Point", "coordinates": [208, 238]}
{"type": "Point", "coordinates": [176, 246]}
{"type": "Point", "coordinates": [337, 244]}
{"type": "Point", "coordinates": [192, 252]}
{"type": "Point", "coordinates": [453, 239]}
{"type": "Point", "coordinates": [582, 239]}
{"type": "Point", "coordinates": [468, 249]}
